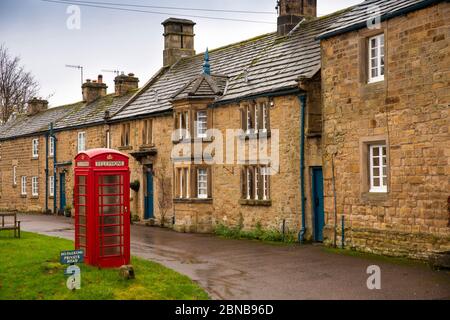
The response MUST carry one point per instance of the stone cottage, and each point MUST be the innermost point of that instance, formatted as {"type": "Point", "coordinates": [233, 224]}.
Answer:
{"type": "Point", "coordinates": [386, 101]}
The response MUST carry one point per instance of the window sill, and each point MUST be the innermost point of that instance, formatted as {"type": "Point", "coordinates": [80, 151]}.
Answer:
{"type": "Point", "coordinates": [255, 203]}
{"type": "Point", "coordinates": [34, 197]}
{"type": "Point", "coordinates": [193, 140]}
{"type": "Point", "coordinates": [146, 146]}
{"type": "Point", "coordinates": [125, 148]}
{"type": "Point", "coordinates": [255, 135]}
{"type": "Point", "coordinates": [23, 196]}
{"type": "Point", "coordinates": [208, 200]}
{"type": "Point", "coordinates": [34, 158]}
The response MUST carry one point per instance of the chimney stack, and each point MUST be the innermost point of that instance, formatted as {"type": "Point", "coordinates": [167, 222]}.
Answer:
{"type": "Point", "coordinates": [291, 12]}
{"type": "Point", "coordinates": [125, 83]}
{"type": "Point", "coordinates": [178, 40]}
{"type": "Point", "coordinates": [93, 90]}
{"type": "Point", "coordinates": [36, 105]}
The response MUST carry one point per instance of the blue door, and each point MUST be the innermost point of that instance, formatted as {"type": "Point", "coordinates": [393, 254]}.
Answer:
{"type": "Point", "coordinates": [318, 208]}
{"type": "Point", "coordinates": [62, 192]}
{"type": "Point", "coordinates": [148, 195]}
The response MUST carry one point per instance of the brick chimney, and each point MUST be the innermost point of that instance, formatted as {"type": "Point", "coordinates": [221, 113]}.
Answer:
{"type": "Point", "coordinates": [92, 90]}
{"type": "Point", "coordinates": [178, 40]}
{"type": "Point", "coordinates": [125, 83]}
{"type": "Point", "coordinates": [291, 12]}
{"type": "Point", "coordinates": [36, 105]}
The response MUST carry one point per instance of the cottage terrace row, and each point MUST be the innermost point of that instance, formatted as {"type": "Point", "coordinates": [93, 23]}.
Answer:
{"type": "Point", "coordinates": [360, 115]}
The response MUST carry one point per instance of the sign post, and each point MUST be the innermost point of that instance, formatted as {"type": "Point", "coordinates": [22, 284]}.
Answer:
{"type": "Point", "coordinates": [72, 258]}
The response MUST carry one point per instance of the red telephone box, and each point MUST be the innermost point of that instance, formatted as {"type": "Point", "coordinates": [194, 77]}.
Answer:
{"type": "Point", "coordinates": [102, 202]}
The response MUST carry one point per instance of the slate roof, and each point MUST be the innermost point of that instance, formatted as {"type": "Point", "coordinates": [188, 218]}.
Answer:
{"type": "Point", "coordinates": [357, 17]}
{"type": "Point", "coordinates": [63, 117]}
{"type": "Point", "coordinates": [260, 65]}
{"type": "Point", "coordinates": [203, 86]}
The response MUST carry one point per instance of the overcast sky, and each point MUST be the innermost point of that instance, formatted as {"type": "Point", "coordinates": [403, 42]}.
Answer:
{"type": "Point", "coordinates": [109, 39]}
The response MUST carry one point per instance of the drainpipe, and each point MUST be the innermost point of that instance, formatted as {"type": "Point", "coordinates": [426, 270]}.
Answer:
{"type": "Point", "coordinates": [54, 169]}
{"type": "Point", "coordinates": [302, 98]}
{"type": "Point", "coordinates": [46, 172]}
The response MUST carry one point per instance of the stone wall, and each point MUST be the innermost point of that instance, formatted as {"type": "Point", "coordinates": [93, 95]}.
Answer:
{"type": "Point", "coordinates": [409, 110]}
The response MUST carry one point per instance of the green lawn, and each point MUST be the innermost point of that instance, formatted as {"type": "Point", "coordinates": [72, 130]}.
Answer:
{"type": "Point", "coordinates": [30, 269]}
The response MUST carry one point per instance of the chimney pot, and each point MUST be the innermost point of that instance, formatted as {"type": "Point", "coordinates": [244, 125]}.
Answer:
{"type": "Point", "coordinates": [100, 78]}
{"type": "Point", "coordinates": [92, 90]}
{"type": "Point", "coordinates": [36, 105]}
{"type": "Point", "coordinates": [125, 83]}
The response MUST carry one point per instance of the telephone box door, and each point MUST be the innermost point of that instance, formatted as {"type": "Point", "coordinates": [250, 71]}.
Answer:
{"type": "Point", "coordinates": [112, 197]}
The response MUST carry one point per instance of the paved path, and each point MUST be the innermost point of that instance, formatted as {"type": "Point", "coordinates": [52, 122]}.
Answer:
{"type": "Point", "coordinates": [232, 269]}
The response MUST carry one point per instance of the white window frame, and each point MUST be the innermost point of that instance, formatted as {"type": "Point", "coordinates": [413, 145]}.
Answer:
{"type": "Point", "coordinates": [81, 141]}
{"type": "Point", "coordinates": [181, 182]}
{"type": "Point", "coordinates": [266, 182]}
{"type": "Point", "coordinates": [376, 57]}
{"type": "Point", "coordinates": [256, 178]}
{"type": "Point", "coordinates": [35, 148]}
{"type": "Point", "coordinates": [23, 186]}
{"type": "Point", "coordinates": [249, 183]}
{"type": "Point", "coordinates": [34, 186]}
{"type": "Point", "coordinates": [249, 119]}
{"type": "Point", "coordinates": [264, 117]}
{"type": "Point", "coordinates": [51, 186]}
{"type": "Point", "coordinates": [382, 167]}
{"type": "Point", "coordinates": [202, 123]}
{"type": "Point", "coordinates": [202, 183]}
{"type": "Point", "coordinates": [51, 149]}
{"type": "Point", "coordinates": [14, 175]}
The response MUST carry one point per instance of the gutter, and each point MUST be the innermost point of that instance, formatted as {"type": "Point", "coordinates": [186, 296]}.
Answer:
{"type": "Point", "coordinates": [279, 92]}
{"type": "Point", "coordinates": [55, 189]}
{"type": "Point", "coordinates": [302, 98]}
{"type": "Point", "coordinates": [384, 17]}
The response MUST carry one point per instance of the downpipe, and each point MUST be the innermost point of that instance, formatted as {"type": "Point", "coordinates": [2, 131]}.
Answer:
{"type": "Point", "coordinates": [302, 99]}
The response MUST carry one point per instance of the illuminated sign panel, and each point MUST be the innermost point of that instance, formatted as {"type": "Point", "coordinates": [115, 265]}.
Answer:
{"type": "Point", "coordinates": [109, 163]}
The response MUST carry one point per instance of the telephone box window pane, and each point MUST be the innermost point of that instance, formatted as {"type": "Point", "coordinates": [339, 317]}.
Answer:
{"type": "Point", "coordinates": [110, 220]}
{"type": "Point", "coordinates": [82, 211]}
{"type": "Point", "coordinates": [109, 241]}
{"type": "Point", "coordinates": [82, 220]}
{"type": "Point", "coordinates": [107, 200]}
{"type": "Point", "coordinates": [111, 210]}
{"type": "Point", "coordinates": [82, 230]}
{"type": "Point", "coordinates": [82, 240]}
{"type": "Point", "coordinates": [111, 251]}
{"type": "Point", "coordinates": [110, 179]}
{"type": "Point", "coordinates": [82, 200]}
{"type": "Point", "coordinates": [82, 190]}
{"type": "Point", "coordinates": [110, 190]}
{"type": "Point", "coordinates": [82, 180]}
{"type": "Point", "coordinates": [111, 230]}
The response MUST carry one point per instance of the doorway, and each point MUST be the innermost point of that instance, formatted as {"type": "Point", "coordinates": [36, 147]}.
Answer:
{"type": "Point", "coordinates": [148, 194]}
{"type": "Point", "coordinates": [318, 203]}
{"type": "Point", "coordinates": [62, 192]}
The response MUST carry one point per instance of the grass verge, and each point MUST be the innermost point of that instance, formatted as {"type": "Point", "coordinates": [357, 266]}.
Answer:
{"type": "Point", "coordinates": [30, 270]}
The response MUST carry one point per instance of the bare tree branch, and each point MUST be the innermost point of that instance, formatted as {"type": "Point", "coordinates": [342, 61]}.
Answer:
{"type": "Point", "coordinates": [17, 86]}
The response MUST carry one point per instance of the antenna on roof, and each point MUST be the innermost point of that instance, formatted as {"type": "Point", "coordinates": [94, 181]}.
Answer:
{"type": "Point", "coordinates": [116, 72]}
{"type": "Point", "coordinates": [77, 67]}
